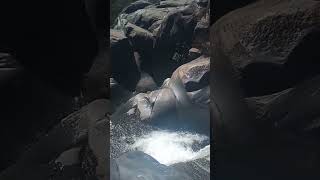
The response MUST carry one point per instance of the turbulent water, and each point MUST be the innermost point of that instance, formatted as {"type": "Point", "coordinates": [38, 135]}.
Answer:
{"type": "Point", "coordinates": [143, 150]}
{"type": "Point", "coordinates": [172, 147]}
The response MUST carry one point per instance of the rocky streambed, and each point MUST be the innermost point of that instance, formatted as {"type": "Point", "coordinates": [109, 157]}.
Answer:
{"type": "Point", "coordinates": [160, 126]}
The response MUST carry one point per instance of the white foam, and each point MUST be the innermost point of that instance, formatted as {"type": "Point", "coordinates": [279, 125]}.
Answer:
{"type": "Point", "coordinates": [171, 147]}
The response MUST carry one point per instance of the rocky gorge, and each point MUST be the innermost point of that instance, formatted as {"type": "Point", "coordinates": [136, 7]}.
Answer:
{"type": "Point", "coordinates": [160, 91]}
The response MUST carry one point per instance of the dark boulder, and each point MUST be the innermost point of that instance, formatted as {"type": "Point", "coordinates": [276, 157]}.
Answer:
{"type": "Point", "coordinates": [142, 42]}
{"type": "Point", "coordinates": [173, 3]}
{"type": "Point", "coordinates": [271, 44]}
{"type": "Point", "coordinates": [136, 6]}
{"type": "Point", "coordinates": [55, 40]}
{"type": "Point", "coordinates": [295, 110]}
{"type": "Point", "coordinates": [124, 68]}
{"type": "Point", "coordinates": [201, 35]}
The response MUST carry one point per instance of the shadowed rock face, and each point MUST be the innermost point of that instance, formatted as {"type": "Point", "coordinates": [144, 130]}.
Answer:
{"type": "Point", "coordinates": [85, 130]}
{"type": "Point", "coordinates": [221, 8]}
{"type": "Point", "coordinates": [48, 43]}
{"type": "Point", "coordinates": [124, 69]}
{"type": "Point", "coordinates": [55, 44]}
{"type": "Point", "coordinates": [265, 73]}
{"type": "Point", "coordinates": [270, 44]}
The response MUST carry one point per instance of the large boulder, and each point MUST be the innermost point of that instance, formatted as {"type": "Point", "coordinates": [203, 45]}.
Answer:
{"type": "Point", "coordinates": [60, 50]}
{"type": "Point", "coordinates": [142, 41]}
{"type": "Point", "coordinates": [139, 37]}
{"type": "Point", "coordinates": [201, 35]}
{"type": "Point", "coordinates": [88, 126]}
{"type": "Point", "coordinates": [136, 6]}
{"type": "Point", "coordinates": [170, 107]}
{"type": "Point", "coordinates": [271, 44]}
{"type": "Point", "coordinates": [124, 68]}
{"type": "Point", "coordinates": [173, 3]}
{"type": "Point", "coordinates": [195, 74]}
{"type": "Point", "coordinates": [143, 18]}
{"type": "Point", "coordinates": [40, 106]}
{"type": "Point", "coordinates": [174, 37]}
{"type": "Point", "coordinates": [162, 34]}
{"type": "Point", "coordinates": [294, 110]}
{"type": "Point", "coordinates": [148, 16]}
{"type": "Point", "coordinates": [177, 27]}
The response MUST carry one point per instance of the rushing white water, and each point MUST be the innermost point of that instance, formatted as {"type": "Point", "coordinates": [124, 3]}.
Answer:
{"type": "Point", "coordinates": [172, 147]}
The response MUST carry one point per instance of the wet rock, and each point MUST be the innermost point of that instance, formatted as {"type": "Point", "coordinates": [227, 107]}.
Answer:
{"type": "Point", "coordinates": [196, 169]}
{"type": "Point", "coordinates": [173, 3]}
{"type": "Point", "coordinates": [201, 34]}
{"type": "Point", "coordinates": [165, 83]}
{"type": "Point", "coordinates": [164, 110]}
{"type": "Point", "coordinates": [119, 94]}
{"type": "Point", "coordinates": [194, 53]}
{"type": "Point", "coordinates": [136, 6]}
{"type": "Point", "coordinates": [143, 42]}
{"type": "Point", "coordinates": [273, 37]}
{"type": "Point", "coordinates": [203, 3]}
{"type": "Point", "coordinates": [124, 68]}
{"type": "Point", "coordinates": [146, 83]}
{"type": "Point", "coordinates": [153, 106]}
{"type": "Point", "coordinates": [195, 74]}
{"type": "Point", "coordinates": [158, 33]}
{"type": "Point", "coordinates": [201, 96]}
{"type": "Point", "coordinates": [140, 38]}
{"type": "Point", "coordinates": [177, 27]}
{"type": "Point", "coordinates": [173, 41]}
{"type": "Point", "coordinates": [147, 168]}
{"type": "Point", "coordinates": [142, 104]}
{"type": "Point", "coordinates": [143, 18]}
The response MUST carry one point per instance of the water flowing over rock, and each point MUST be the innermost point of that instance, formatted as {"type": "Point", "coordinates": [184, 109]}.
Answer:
{"type": "Point", "coordinates": [170, 105]}
{"type": "Point", "coordinates": [145, 114]}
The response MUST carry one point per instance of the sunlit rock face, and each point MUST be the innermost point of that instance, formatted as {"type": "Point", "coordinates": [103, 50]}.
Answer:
{"type": "Point", "coordinates": [169, 124]}
{"type": "Point", "coordinates": [186, 91]}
